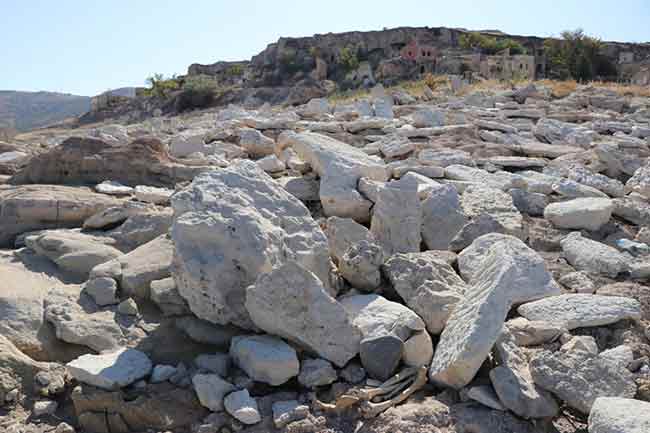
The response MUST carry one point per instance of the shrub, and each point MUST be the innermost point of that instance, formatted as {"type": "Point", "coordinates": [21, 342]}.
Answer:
{"type": "Point", "coordinates": [161, 87]}
{"type": "Point", "coordinates": [434, 81]}
{"type": "Point", "coordinates": [490, 45]}
{"type": "Point", "coordinates": [348, 59]}
{"type": "Point", "coordinates": [197, 92]}
{"type": "Point", "coordinates": [235, 71]}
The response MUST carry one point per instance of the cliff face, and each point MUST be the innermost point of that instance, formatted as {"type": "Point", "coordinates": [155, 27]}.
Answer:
{"type": "Point", "coordinates": [353, 59]}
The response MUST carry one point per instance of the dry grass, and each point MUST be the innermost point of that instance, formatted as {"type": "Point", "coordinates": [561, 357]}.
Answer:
{"type": "Point", "coordinates": [560, 89]}
{"type": "Point", "coordinates": [624, 89]}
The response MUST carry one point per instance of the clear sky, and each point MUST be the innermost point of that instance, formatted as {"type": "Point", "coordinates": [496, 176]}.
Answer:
{"type": "Point", "coordinates": [88, 46]}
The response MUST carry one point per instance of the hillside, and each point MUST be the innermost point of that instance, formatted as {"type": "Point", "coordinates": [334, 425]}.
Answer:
{"type": "Point", "coordinates": [28, 110]}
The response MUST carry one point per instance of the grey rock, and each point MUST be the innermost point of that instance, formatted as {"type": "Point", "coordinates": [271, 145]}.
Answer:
{"type": "Point", "coordinates": [316, 372]}
{"type": "Point", "coordinates": [381, 355]}
{"type": "Point", "coordinates": [342, 233]}
{"type": "Point", "coordinates": [219, 363]}
{"type": "Point", "coordinates": [485, 395]}
{"type": "Point", "coordinates": [580, 213]}
{"type": "Point", "coordinates": [103, 290]}
{"type": "Point", "coordinates": [619, 415]}
{"type": "Point", "coordinates": [285, 412]}
{"type": "Point", "coordinates": [591, 256]}
{"type": "Point", "coordinates": [442, 217]}
{"type": "Point", "coordinates": [161, 373]}
{"type": "Point", "coordinates": [360, 265]}
{"type": "Point", "coordinates": [211, 390]}
{"type": "Point", "coordinates": [243, 407]}
{"type": "Point", "coordinates": [396, 220]}
{"type": "Point", "coordinates": [533, 333]}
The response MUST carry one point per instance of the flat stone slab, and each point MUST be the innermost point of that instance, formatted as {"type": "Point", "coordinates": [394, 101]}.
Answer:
{"type": "Point", "coordinates": [589, 213]}
{"type": "Point", "coordinates": [111, 371]}
{"type": "Point", "coordinates": [581, 310]}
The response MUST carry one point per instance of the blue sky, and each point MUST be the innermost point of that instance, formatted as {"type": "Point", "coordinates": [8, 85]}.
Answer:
{"type": "Point", "coordinates": [86, 47]}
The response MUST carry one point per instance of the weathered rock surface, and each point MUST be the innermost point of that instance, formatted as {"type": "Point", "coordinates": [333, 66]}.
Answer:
{"type": "Point", "coordinates": [442, 217]}
{"type": "Point", "coordinates": [111, 370]}
{"type": "Point", "coordinates": [242, 406]}
{"type": "Point", "coordinates": [292, 302]}
{"type": "Point", "coordinates": [396, 220]}
{"type": "Point", "coordinates": [231, 226]}
{"type": "Point", "coordinates": [579, 311]}
{"type": "Point", "coordinates": [614, 415]}
{"type": "Point", "coordinates": [211, 390]}
{"type": "Point", "coordinates": [480, 199]}
{"type": "Point", "coordinates": [265, 358]}
{"type": "Point", "coordinates": [580, 213]}
{"type": "Point", "coordinates": [430, 287]}
{"type": "Point", "coordinates": [339, 166]}
{"type": "Point", "coordinates": [38, 207]}
{"type": "Point", "coordinates": [579, 378]}
{"type": "Point", "coordinates": [593, 257]}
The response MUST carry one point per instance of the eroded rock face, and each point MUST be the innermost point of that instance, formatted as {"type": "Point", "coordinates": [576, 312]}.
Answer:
{"type": "Point", "coordinates": [80, 160]}
{"type": "Point", "coordinates": [339, 166]}
{"type": "Point", "coordinates": [292, 302]}
{"type": "Point", "coordinates": [37, 207]}
{"type": "Point", "coordinates": [232, 225]}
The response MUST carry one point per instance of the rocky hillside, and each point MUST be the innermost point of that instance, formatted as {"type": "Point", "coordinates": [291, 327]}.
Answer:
{"type": "Point", "coordinates": [440, 263]}
{"type": "Point", "coordinates": [28, 110]}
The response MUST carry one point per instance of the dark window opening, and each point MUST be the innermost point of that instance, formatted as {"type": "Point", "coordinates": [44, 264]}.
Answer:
{"type": "Point", "coordinates": [422, 69]}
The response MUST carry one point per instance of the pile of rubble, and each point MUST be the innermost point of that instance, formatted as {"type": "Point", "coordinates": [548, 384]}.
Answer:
{"type": "Point", "coordinates": [464, 264]}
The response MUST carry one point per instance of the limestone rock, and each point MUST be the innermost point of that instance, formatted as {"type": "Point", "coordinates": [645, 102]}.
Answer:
{"type": "Point", "coordinates": [640, 182]}
{"type": "Point", "coordinates": [17, 370]}
{"type": "Point", "coordinates": [360, 265]}
{"type": "Point", "coordinates": [292, 302]}
{"type": "Point", "coordinates": [506, 272]}
{"type": "Point", "coordinates": [580, 213]}
{"type": "Point", "coordinates": [591, 256]}
{"type": "Point", "coordinates": [72, 252]}
{"type": "Point", "coordinates": [396, 220]}
{"type": "Point", "coordinates": [619, 415]}
{"type": "Point", "coordinates": [151, 194]}
{"type": "Point", "coordinates": [111, 370]}
{"type": "Point", "coordinates": [103, 290]}
{"type": "Point", "coordinates": [265, 358]}
{"type": "Point", "coordinates": [256, 143]}
{"type": "Point", "coordinates": [37, 207]}
{"type": "Point", "coordinates": [533, 333]}
{"type": "Point", "coordinates": [381, 355]}
{"type": "Point", "coordinates": [579, 378]}
{"type": "Point", "coordinates": [285, 412]}
{"type": "Point", "coordinates": [211, 390]}
{"type": "Point", "coordinates": [231, 226]}
{"type": "Point", "coordinates": [430, 287]}
{"type": "Point", "coordinates": [85, 160]}
{"type": "Point", "coordinates": [442, 217]}
{"type": "Point", "coordinates": [242, 406]}
{"type": "Point", "coordinates": [113, 188]}
{"type": "Point", "coordinates": [418, 350]}
{"type": "Point", "coordinates": [479, 199]}
{"type": "Point", "coordinates": [579, 311]}
{"type": "Point", "coordinates": [342, 233]}
{"type": "Point", "coordinates": [514, 384]}
{"type": "Point", "coordinates": [339, 166]}
{"type": "Point", "coordinates": [316, 372]}
{"type": "Point", "coordinates": [165, 295]}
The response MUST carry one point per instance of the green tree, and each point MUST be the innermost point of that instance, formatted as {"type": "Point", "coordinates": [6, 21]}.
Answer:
{"type": "Point", "coordinates": [348, 58]}
{"type": "Point", "coordinates": [577, 56]}
{"type": "Point", "coordinates": [161, 87]}
{"type": "Point", "coordinates": [490, 45]}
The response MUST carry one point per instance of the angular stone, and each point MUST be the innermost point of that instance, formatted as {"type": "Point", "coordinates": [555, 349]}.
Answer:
{"type": "Point", "coordinates": [430, 287]}
{"type": "Point", "coordinates": [360, 265]}
{"type": "Point", "coordinates": [514, 384]}
{"type": "Point", "coordinates": [418, 350]}
{"type": "Point", "coordinates": [479, 199]}
{"type": "Point", "coordinates": [111, 370]}
{"type": "Point", "coordinates": [578, 282]}
{"type": "Point", "coordinates": [231, 226]}
{"type": "Point", "coordinates": [580, 213]}
{"type": "Point", "coordinates": [291, 302]}
{"type": "Point", "coordinates": [150, 194]}
{"type": "Point", "coordinates": [381, 355]}
{"type": "Point", "coordinates": [339, 166]}
{"type": "Point", "coordinates": [639, 182]}
{"type": "Point", "coordinates": [103, 290]}
{"type": "Point", "coordinates": [113, 188]}
{"type": "Point", "coordinates": [285, 412]}
{"type": "Point", "coordinates": [255, 143]}
{"type": "Point", "coordinates": [591, 256]}
{"type": "Point", "coordinates": [619, 415]}
{"type": "Point", "coordinates": [395, 146]}
{"type": "Point", "coordinates": [342, 233]}
{"type": "Point", "coordinates": [579, 378]}
{"type": "Point", "coordinates": [265, 358]}
{"type": "Point", "coordinates": [533, 333]}
{"type": "Point", "coordinates": [219, 363]}
{"type": "Point", "coordinates": [316, 372]}
{"type": "Point", "coordinates": [396, 220]}
{"type": "Point", "coordinates": [579, 311]}
{"type": "Point", "coordinates": [442, 217]}
{"type": "Point", "coordinates": [485, 395]}
{"type": "Point", "coordinates": [211, 390]}
{"type": "Point", "coordinates": [243, 407]}
{"type": "Point", "coordinates": [505, 272]}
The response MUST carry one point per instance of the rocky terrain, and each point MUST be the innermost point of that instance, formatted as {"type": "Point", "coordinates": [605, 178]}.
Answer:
{"type": "Point", "coordinates": [28, 110]}
{"type": "Point", "coordinates": [438, 263]}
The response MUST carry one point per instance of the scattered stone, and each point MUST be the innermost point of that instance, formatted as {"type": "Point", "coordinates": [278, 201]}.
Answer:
{"type": "Point", "coordinates": [219, 363]}
{"type": "Point", "coordinates": [150, 194]}
{"type": "Point", "coordinates": [360, 265]}
{"type": "Point", "coordinates": [580, 213]}
{"type": "Point", "coordinates": [396, 220]}
{"type": "Point", "coordinates": [112, 370]}
{"type": "Point", "coordinates": [128, 307]}
{"type": "Point", "coordinates": [578, 282]}
{"type": "Point", "coordinates": [286, 412]}
{"type": "Point", "coordinates": [211, 390]}
{"type": "Point", "coordinates": [243, 407]}
{"type": "Point", "coordinates": [162, 373]}
{"type": "Point", "coordinates": [316, 372]}
{"type": "Point", "coordinates": [381, 355]}
{"type": "Point", "coordinates": [485, 395]}
{"type": "Point", "coordinates": [619, 415]}
{"type": "Point", "coordinates": [44, 407]}
{"type": "Point", "coordinates": [113, 188]}
{"type": "Point", "coordinates": [103, 290]}
{"type": "Point", "coordinates": [265, 358]}
{"type": "Point", "coordinates": [591, 256]}
{"type": "Point", "coordinates": [442, 217]}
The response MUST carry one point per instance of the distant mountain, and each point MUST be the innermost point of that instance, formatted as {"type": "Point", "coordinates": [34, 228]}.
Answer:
{"type": "Point", "coordinates": [29, 110]}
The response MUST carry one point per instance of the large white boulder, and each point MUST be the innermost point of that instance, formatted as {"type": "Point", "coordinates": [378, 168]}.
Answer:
{"type": "Point", "coordinates": [232, 225]}
{"type": "Point", "coordinates": [397, 219]}
{"type": "Point", "coordinates": [589, 213]}
{"type": "Point", "coordinates": [292, 302]}
{"type": "Point", "coordinates": [339, 166]}
{"type": "Point", "coordinates": [442, 217]}
{"type": "Point", "coordinates": [480, 199]}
